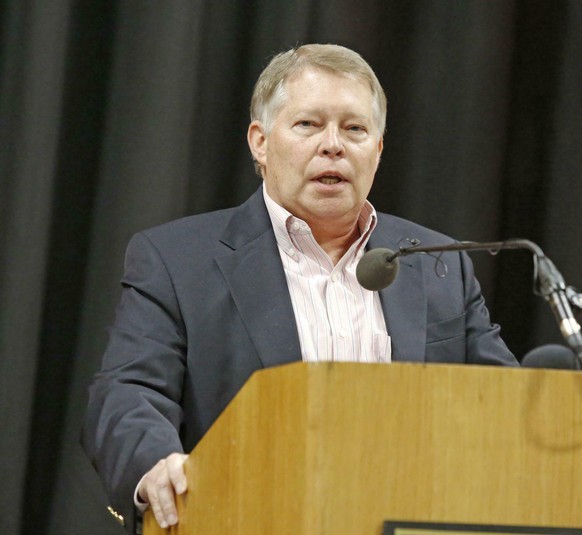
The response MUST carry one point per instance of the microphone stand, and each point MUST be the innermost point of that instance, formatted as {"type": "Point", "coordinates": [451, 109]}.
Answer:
{"type": "Point", "coordinates": [551, 286]}
{"type": "Point", "coordinates": [492, 247]}
{"type": "Point", "coordinates": [548, 281]}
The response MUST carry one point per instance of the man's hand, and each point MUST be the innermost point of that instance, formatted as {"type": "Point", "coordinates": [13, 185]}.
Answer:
{"type": "Point", "coordinates": [158, 486]}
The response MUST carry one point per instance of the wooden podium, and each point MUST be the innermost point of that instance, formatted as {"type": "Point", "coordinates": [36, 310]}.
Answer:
{"type": "Point", "coordinates": [338, 448]}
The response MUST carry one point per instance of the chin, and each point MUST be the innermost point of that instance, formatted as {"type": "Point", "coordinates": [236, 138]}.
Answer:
{"type": "Point", "coordinates": [336, 213]}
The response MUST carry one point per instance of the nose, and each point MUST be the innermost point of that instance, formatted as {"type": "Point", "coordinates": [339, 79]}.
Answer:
{"type": "Point", "coordinates": [331, 144]}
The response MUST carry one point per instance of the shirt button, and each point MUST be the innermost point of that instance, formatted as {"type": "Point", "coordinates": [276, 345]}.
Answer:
{"type": "Point", "coordinates": [342, 333]}
{"type": "Point", "coordinates": [334, 277]}
{"type": "Point", "coordinates": [296, 226]}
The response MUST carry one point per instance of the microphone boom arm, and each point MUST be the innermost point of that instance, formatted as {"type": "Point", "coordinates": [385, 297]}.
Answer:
{"type": "Point", "coordinates": [492, 247]}
{"type": "Point", "coordinates": [548, 281]}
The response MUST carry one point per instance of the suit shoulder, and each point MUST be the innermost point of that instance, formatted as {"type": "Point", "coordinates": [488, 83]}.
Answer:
{"type": "Point", "coordinates": [190, 228]}
{"type": "Point", "coordinates": [410, 230]}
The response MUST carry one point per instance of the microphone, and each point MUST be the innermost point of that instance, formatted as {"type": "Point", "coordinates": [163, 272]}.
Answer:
{"type": "Point", "coordinates": [377, 269]}
{"type": "Point", "coordinates": [552, 356]}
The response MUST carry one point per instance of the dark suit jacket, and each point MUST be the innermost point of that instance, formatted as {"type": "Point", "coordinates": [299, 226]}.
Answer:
{"type": "Point", "coordinates": [205, 304]}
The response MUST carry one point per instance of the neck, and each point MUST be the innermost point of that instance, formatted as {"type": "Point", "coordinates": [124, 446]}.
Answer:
{"type": "Point", "coordinates": [335, 243]}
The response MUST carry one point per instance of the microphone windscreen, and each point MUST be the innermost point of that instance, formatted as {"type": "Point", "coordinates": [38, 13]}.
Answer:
{"type": "Point", "coordinates": [553, 356]}
{"type": "Point", "coordinates": [374, 272]}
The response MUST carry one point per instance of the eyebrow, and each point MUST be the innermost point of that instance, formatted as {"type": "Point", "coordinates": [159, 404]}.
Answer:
{"type": "Point", "coordinates": [320, 111]}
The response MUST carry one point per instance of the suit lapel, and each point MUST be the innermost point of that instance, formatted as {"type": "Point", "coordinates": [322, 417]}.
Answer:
{"type": "Point", "coordinates": [253, 271]}
{"type": "Point", "coordinates": [404, 301]}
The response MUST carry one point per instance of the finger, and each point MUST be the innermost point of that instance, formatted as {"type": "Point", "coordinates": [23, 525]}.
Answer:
{"type": "Point", "coordinates": [155, 506]}
{"type": "Point", "coordinates": [165, 496]}
{"type": "Point", "coordinates": [160, 495]}
{"type": "Point", "coordinates": [157, 488]}
{"type": "Point", "coordinates": [175, 468]}
{"type": "Point", "coordinates": [146, 485]}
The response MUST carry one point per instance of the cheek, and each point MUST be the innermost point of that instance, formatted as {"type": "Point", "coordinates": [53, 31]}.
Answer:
{"type": "Point", "coordinates": [293, 151]}
{"type": "Point", "coordinates": [373, 161]}
{"type": "Point", "coordinates": [282, 158]}
{"type": "Point", "coordinates": [291, 163]}
{"type": "Point", "coordinates": [367, 161]}
{"type": "Point", "coordinates": [368, 172]}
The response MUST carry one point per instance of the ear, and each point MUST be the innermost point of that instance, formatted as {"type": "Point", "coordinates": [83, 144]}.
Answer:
{"type": "Point", "coordinates": [257, 140]}
{"type": "Point", "coordinates": [380, 149]}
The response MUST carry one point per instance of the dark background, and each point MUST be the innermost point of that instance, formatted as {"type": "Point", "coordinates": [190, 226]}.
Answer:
{"type": "Point", "coordinates": [116, 116]}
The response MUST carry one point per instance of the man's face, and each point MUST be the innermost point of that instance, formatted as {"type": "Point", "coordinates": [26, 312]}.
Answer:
{"type": "Point", "coordinates": [322, 152]}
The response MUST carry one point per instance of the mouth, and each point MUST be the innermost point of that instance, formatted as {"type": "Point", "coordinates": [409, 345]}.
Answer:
{"type": "Point", "coordinates": [329, 178]}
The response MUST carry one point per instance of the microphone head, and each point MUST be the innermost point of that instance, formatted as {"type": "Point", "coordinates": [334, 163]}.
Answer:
{"type": "Point", "coordinates": [374, 272]}
{"type": "Point", "coordinates": [553, 356]}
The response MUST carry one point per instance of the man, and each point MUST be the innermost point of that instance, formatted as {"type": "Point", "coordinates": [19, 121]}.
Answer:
{"type": "Point", "coordinates": [210, 299]}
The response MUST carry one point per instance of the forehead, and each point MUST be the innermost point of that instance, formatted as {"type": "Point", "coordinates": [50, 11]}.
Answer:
{"type": "Point", "coordinates": [317, 87]}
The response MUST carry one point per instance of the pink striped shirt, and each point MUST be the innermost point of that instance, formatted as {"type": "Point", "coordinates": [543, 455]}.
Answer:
{"type": "Point", "coordinates": [336, 318]}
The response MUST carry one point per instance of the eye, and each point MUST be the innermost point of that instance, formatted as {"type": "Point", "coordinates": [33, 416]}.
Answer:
{"type": "Point", "coordinates": [305, 123]}
{"type": "Point", "coordinates": [356, 128]}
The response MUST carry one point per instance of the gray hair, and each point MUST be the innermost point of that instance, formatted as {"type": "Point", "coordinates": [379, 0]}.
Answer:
{"type": "Point", "coordinates": [269, 93]}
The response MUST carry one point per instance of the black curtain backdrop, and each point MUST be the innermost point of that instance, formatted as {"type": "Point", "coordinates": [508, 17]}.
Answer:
{"type": "Point", "coordinates": [116, 116]}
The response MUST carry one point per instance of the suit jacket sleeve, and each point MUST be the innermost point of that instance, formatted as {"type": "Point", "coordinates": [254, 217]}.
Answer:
{"type": "Point", "coordinates": [134, 414]}
{"type": "Point", "coordinates": [484, 343]}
